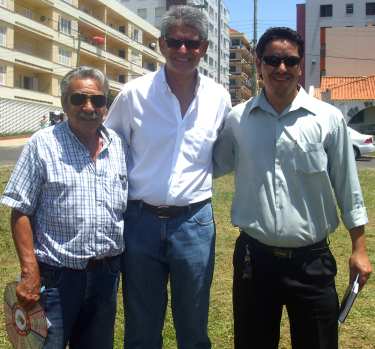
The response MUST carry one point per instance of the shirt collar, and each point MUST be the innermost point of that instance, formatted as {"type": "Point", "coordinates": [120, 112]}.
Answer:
{"type": "Point", "coordinates": [302, 100]}
{"type": "Point", "coordinates": [102, 130]}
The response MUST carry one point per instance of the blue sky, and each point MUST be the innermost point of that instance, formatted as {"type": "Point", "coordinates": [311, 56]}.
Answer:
{"type": "Point", "coordinates": [270, 13]}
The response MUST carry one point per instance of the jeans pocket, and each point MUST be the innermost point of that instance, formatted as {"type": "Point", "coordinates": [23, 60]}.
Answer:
{"type": "Point", "coordinates": [114, 265]}
{"type": "Point", "coordinates": [50, 276]}
{"type": "Point", "coordinates": [204, 216]}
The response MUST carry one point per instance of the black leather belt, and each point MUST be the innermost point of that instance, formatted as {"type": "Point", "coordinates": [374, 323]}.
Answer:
{"type": "Point", "coordinates": [285, 252]}
{"type": "Point", "coordinates": [169, 211]}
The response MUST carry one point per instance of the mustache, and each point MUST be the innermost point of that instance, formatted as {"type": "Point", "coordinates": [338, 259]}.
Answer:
{"type": "Point", "coordinates": [89, 115]}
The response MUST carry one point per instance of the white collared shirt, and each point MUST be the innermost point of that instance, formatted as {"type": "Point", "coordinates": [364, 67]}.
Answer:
{"type": "Point", "coordinates": [170, 155]}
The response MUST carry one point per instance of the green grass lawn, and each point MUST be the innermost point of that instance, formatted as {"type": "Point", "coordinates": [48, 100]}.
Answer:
{"type": "Point", "coordinates": [357, 333]}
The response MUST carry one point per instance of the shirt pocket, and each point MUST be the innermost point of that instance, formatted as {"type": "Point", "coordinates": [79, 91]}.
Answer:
{"type": "Point", "coordinates": [120, 190]}
{"type": "Point", "coordinates": [310, 158]}
{"type": "Point", "coordinates": [198, 145]}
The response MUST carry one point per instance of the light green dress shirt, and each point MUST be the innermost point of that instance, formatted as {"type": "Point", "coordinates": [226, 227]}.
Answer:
{"type": "Point", "coordinates": [290, 169]}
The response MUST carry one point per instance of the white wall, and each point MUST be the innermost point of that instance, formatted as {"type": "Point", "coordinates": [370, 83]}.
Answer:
{"type": "Point", "coordinates": [339, 19]}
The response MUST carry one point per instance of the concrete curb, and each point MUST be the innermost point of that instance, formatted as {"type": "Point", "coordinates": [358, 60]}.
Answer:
{"type": "Point", "coordinates": [13, 142]}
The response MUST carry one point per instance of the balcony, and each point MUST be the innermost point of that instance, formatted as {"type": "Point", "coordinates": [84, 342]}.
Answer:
{"type": "Point", "coordinates": [40, 25]}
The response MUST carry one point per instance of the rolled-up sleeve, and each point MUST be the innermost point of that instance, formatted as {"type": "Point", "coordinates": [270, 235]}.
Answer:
{"type": "Point", "coordinates": [223, 154]}
{"type": "Point", "coordinates": [344, 177]}
{"type": "Point", "coordinates": [25, 184]}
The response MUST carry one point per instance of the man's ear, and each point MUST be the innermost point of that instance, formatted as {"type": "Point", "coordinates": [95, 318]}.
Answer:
{"type": "Point", "coordinates": [204, 47]}
{"type": "Point", "coordinates": [300, 66]}
{"type": "Point", "coordinates": [162, 45]}
{"type": "Point", "coordinates": [258, 63]}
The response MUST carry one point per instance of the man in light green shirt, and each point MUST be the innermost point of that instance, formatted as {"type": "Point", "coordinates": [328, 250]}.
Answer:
{"type": "Point", "coordinates": [292, 160]}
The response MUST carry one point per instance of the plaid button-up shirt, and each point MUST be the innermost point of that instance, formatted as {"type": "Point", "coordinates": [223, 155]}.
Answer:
{"type": "Point", "coordinates": [76, 204]}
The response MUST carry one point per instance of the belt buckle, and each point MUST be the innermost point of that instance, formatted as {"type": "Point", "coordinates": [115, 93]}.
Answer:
{"type": "Point", "coordinates": [282, 253]}
{"type": "Point", "coordinates": [159, 211]}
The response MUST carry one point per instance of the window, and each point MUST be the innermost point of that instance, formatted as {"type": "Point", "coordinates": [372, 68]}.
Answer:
{"type": "Point", "coordinates": [159, 11]}
{"type": "Point", "coordinates": [135, 35]}
{"type": "Point", "coordinates": [3, 70]}
{"type": "Point", "coordinates": [28, 13]}
{"type": "Point", "coordinates": [370, 8]}
{"type": "Point", "coordinates": [236, 42]}
{"type": "Point", "coordinates": [122, 78]}
{"type": "Point", "coordinates": [121, 53]}
{"type": "Point", "coordinates": [65, 56]}
{"type": "Point", "coordinates": [3, 36]}
{"type": "Point", "coordinates": [142, 12]}
{"type": "Point", "coordinates": [29, 83]}
{"type": "Point", "coordinates": [326, 10]}
{"type": "Point", "coordinates": [349, 9]}
{"type": "Point", "coordinates": [232, 55]}
{"type": "Point", "coordinates": [232, 69]}
{"type": "Point", "coordinates": [65, 26]}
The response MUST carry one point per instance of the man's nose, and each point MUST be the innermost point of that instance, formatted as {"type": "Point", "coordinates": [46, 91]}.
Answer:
{"type": "Point", "coordinates": [282, 66]}
{"type": "Point", "coordinates": [88, 104]}
{"type": "Point", "coordinates": [183, 48]}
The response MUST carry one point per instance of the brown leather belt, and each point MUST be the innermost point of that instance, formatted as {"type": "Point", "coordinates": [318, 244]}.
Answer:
{"type": "Point", "coordinates": [98, 262]}
{"type": "Point", "coordinates": [169, 211]}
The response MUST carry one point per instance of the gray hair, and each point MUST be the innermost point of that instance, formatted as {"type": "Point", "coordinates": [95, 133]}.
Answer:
{"type": "Point", "coordinates": [83, 72]}
{"type": "Point", "coordinates": [185, 15]}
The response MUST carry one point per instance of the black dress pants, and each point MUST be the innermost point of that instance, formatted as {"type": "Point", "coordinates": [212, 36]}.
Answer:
{"type": "Point", "coordinates": [265, 279]}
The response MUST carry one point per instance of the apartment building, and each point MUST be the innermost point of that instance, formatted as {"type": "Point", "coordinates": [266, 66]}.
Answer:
{"type": "Point", "coordinates": [241, 59]}
{"type": "Point", "coordinates": [328, 22]}
{"type": "Point", "coordinates": [216, 62]}
{"type": "Point", "coordinates": [41, 40]}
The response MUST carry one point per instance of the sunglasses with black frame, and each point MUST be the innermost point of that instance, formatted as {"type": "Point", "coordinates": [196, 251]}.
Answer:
{"type": "Point", "coordinates": [98, 101]}
{"type": "Point", "coordinates": [177, 43]}
{"type": "Point", "coordinates": [275, 61]}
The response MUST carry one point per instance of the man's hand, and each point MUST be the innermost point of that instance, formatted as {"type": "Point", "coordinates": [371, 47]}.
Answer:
{"type": "Point", "coordinates": [28, 289]}
{"type": "Point", "coordinates": [359, 262]}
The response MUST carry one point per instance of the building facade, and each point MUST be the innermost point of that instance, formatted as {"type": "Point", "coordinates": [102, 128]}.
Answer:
{"type": "Point", "coordinates": [319, 16]}
{"type": "Point", "coordinates": [41, 40]}
{"type": "Point", "coordinates": [216, 62]}
{"type": "Point", "coordinates": [241, 60]}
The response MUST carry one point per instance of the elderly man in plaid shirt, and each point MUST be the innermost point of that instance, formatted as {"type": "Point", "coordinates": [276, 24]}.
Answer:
{"type": "Point", "coordinates": [68, 195]}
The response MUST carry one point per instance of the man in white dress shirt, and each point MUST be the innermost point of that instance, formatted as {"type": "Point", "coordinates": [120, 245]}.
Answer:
{"type": "Point", "coordinates": [170, 120]}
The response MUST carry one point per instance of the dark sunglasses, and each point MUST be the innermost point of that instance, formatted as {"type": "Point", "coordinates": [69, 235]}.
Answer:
{"type": "Point", "coordinates": [189, 44]}
{"type": "Point", "coordinates": [98, 101]}
{"type": "Point", "coordinates": [275, 61]}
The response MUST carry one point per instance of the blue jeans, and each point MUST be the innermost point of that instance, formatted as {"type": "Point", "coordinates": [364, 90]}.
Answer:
{"type": "Point", "coordinates": [182, 249]}
{"type": "Point", "coordinates": [80, 305]}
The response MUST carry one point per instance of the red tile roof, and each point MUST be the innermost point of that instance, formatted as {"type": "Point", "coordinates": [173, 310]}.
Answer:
{"type": "Point", "coordinates": [348, 87]}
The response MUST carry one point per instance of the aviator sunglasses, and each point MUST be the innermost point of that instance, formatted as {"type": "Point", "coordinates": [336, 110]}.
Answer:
{"type": "Point", "coordinates": [275, 61]}
{"type": "Point", "coordinates": [176, 43]}
{"type": "Point", "coordinates": [97, 101]}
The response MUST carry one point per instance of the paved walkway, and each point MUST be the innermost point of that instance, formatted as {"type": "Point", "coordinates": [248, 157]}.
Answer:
{"type": "Point", "coordinates": [13, 142]}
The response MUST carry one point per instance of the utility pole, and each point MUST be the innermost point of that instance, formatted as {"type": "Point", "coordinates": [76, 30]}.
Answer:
{"type": "Point", "coordinates": [219, 42]}
{"type": "Point", "coordinates": [255, 39]}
